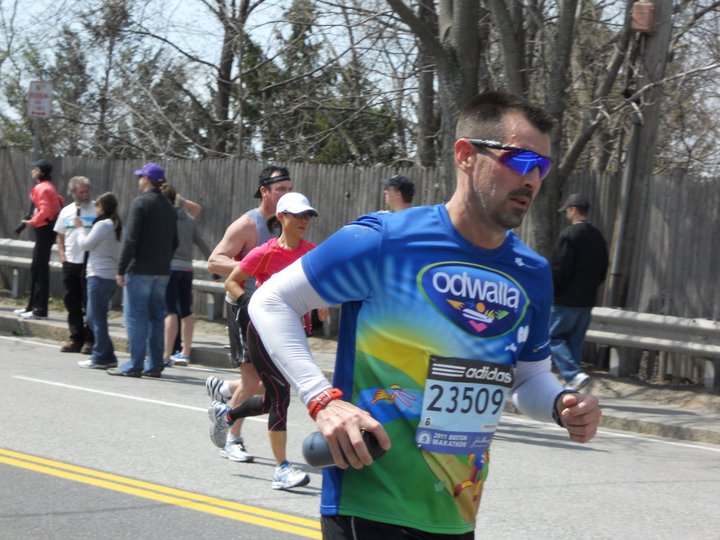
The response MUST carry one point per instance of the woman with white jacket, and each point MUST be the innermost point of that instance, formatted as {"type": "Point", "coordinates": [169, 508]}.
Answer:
{"type": "Point", "coordinates": [102, 243]}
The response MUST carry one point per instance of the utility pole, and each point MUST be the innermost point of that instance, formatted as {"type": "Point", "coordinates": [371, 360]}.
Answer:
{"type": "Point", "coordinates": [650, 66]}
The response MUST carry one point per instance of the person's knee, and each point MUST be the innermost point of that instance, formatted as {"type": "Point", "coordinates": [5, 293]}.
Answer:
{"type": "Point", "coordinates": [250, 377]}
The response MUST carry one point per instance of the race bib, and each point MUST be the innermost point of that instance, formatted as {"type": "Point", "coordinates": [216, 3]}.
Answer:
{"type": "Point", "coordinates": [462, 404]}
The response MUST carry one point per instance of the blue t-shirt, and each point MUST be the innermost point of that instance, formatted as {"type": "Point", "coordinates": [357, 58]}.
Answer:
{"type": "Point", "coordinates": [431, 328]}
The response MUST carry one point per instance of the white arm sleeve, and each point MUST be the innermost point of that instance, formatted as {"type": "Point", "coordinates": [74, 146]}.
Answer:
{"type": "Point", "coordinates": [275, 310]}
{"type": "Point", "coordinates": [536, 389]}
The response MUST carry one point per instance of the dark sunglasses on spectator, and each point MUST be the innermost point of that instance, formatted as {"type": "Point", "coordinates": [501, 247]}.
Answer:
{"type": "Point", "coordinates": [303, 215]}
{"type": "Point", "coordinates": [520, 160]}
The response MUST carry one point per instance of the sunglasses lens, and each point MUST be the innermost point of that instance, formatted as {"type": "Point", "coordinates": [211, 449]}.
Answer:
{"type": "Point", "coordinates": [524, 161]}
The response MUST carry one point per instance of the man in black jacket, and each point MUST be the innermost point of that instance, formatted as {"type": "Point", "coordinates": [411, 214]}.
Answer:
{"type": "Point", "coordinates": [144, 270]}
{"type": "Point", "coordinates": [579, 264]}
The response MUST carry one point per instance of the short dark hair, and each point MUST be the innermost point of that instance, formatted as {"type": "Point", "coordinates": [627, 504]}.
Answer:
{"type": "Point", "coordinates": [403, 184]}
{"type": "Point", "coordinates": [482, 115]}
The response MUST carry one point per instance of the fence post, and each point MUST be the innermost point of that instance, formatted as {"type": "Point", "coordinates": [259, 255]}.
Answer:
{"type": "Point", "coordinates": [210, 306]}
{"type": "Point", "coordinates": [15, 288]}
{"type": "Point", "coordinates": [623, 362]}
{"type": "Point", "coordinates": [712, 369]}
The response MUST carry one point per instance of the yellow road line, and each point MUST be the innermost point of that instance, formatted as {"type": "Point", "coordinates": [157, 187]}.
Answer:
{"type": "Point", "coordinates": [249, 514]}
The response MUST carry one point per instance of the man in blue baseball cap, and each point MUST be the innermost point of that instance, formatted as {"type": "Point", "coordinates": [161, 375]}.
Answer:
{"type": "Point", "coordinates": [144, 270]}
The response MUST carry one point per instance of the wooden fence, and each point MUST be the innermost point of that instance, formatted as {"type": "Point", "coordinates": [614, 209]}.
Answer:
{"type": "Point", "coordinates": [224, 187]}
{"type": "Point", "coordinates": [674, 271]}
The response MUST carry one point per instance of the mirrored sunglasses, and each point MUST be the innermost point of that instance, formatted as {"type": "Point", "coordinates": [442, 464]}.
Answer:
{"type": "Point", "coordinates": [520, 160]}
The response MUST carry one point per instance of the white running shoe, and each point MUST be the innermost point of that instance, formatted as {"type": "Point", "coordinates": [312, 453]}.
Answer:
{"type": "Point", "coordinates": [578, 382]}
{"type": "Point", "coordinates": [19, 312]}
{"type": "Point", "coordinates": [236, 451]}
{"type": "Point", "coordinates": [212, 385]}
{"type": "Point", "coordinates": [286, 476]}
{"type": "Point", "coordinates": [180, 359]}
{"type": "Point", "coordinates": [219, 427]}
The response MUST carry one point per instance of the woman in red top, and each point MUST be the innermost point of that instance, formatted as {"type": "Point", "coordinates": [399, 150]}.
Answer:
{"type": "Point", "coordinates": [47, 204]}
{"type": "Point", "coordinates": [294, 214]}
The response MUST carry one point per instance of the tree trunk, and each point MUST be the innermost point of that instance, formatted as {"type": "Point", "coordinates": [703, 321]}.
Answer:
{"type": "Point", "coordinates": [427, 128]}
{"type": "Point", "coordinates": [456, 54]}
{"type": "Point", "coordinates": [652, 62]}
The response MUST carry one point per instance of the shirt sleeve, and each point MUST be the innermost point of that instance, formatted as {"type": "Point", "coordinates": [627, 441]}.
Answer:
{"type": "Point", "coordinates": [275, 310]}
{"type": "Point", "coordinates": [344, 267]}
{"type": "Point", "coordinates": [89, 240]}
{"type": "Point", "coordinates": [60, 223]}
{"type": "Point", "coordinates": [249, 263]}
{"type": "Point", "coordinates": [535, 389]}
{"type": "Point", "coordinates": [537, 344]}
{"type": "Point", "coordinates": [132, 228]}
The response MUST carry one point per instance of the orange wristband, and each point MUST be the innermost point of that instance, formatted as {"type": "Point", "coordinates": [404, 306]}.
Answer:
{"type": "Point", "coordinates": [319, 402]}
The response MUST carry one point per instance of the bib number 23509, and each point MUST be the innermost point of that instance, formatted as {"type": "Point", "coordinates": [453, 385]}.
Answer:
{"type": "Point", "coordinates": [462, 404]}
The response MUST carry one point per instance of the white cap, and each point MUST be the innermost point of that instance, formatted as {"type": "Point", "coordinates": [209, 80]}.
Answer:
{"type": "Point", "coordinates": [294, 203]}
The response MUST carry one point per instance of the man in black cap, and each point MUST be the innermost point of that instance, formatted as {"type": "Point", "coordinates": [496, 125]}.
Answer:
{"type": "Point", "coordinates": [399, 191]}
{"type": "Point", "coordinates": [579, 264]}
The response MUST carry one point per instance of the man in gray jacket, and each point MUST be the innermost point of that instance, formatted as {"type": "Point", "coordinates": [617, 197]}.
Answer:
{"type": "Point", "coordinates": [144, 270]}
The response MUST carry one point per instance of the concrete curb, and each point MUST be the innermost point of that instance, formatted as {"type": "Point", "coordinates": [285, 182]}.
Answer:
{"type": "Point", "coordinates": [648, 427]}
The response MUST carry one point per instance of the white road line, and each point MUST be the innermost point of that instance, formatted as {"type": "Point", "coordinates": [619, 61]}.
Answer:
{"type": "Point", "coordinates": [113, 394]}
{"type": "Point", "coordinates": [191, 367]}
{"type": "Point", "coordinates": [26, 339]}
{"type": "Point", "coordinates": [519, 420]}
{"type": "Point", "coordinates": [124, 396]}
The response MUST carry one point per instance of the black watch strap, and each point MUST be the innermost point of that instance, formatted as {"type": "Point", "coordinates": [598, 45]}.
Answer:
{"type": "Point", "coordinates": [555, 415]}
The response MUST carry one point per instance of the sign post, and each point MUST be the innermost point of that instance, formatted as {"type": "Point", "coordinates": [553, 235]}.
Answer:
{"type": "Point", "coordinates": [39, 106]}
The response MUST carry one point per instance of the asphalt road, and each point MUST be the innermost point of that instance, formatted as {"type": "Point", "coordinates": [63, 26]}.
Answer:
{"type": "Point", "coordinates": [85, 455]}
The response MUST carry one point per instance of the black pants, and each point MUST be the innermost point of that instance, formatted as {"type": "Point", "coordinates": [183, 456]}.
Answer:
{"type": "Point", "coordinates": [237, 326]}
{"type": "Point", "coordinates": [75, 302]}
{"type": "Point", "coordinates": [354, 528]}
{"type": "Point", "coordinates": [40, 270]}
{"type": "Point", "coordinates": [276, 398]}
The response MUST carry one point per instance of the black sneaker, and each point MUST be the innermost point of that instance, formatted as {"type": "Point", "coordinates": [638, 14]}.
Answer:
{"type": "Point", "coordinates": [156, 373]}
{"type": "Point", "coordinates": [119, 372]}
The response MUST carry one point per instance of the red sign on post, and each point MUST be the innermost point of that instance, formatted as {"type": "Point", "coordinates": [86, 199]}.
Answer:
{"type": "Point", "coordinates": [40, 99]}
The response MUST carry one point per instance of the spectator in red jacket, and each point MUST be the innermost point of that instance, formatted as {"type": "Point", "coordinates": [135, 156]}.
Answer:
{"type": "Point", "coordinates": [47, 204]}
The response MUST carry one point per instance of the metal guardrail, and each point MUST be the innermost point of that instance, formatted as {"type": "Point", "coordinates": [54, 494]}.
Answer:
{"type": "Point", "coordinates": [697, 338]}
{"type": "Point", "coordinates": [17, 254]}
{"type": "Point", "coordinates": [618, 327]}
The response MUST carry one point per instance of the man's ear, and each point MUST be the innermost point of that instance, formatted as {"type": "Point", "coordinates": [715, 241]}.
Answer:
{"type": "Point", "coordinates": [465, 154]}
